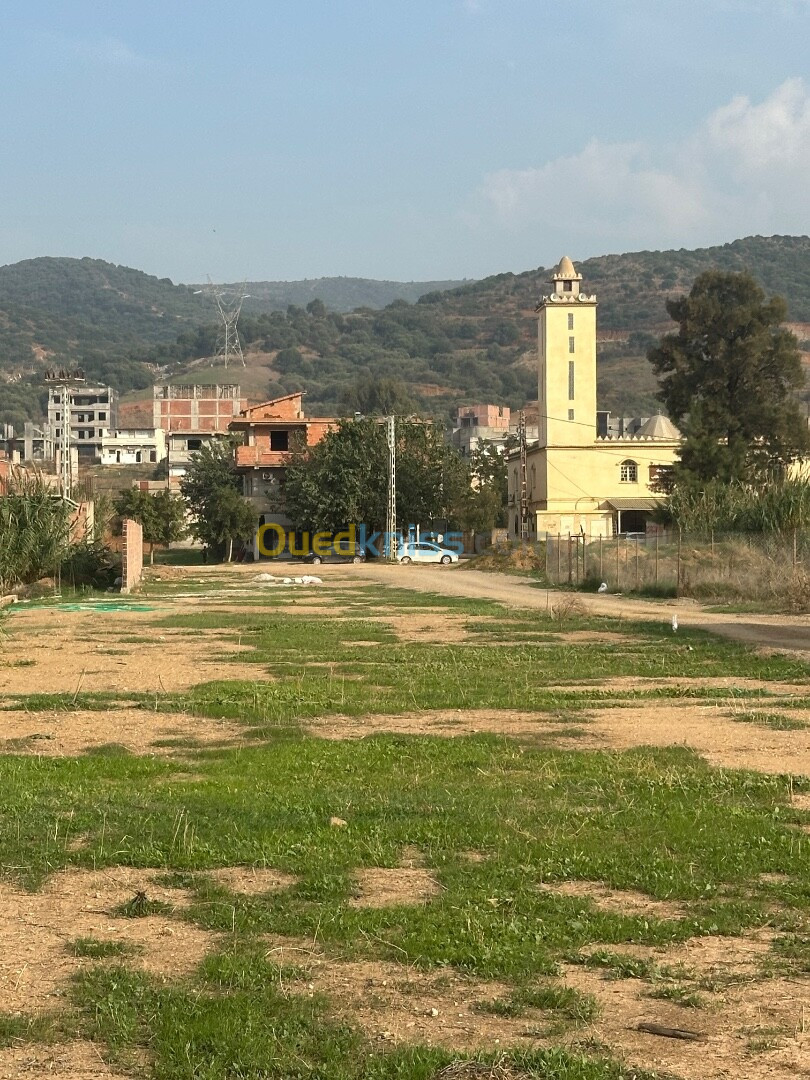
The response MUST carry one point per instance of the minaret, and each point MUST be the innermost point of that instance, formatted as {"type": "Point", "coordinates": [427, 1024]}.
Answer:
{"type": "Point", "coordinates": [566, 346]}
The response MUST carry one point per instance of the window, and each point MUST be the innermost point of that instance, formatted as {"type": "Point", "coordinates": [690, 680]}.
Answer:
{"type": "Point", "coordinates": [279, 440]}
{"type": "Point", "coordinates": [568, 286]}
{"type": "Point", "coordinates": [629, 472]}
{"type": "Point", "coordinates": [570, 320]}
{"type": "Point", "coordinates": [571, 347]}
{"type": "Point", "coordinates": [102, 416]}
{"type": "Point", "coordinates": [570, 380]}
{"type": "Point", "coordinates": [570, 414]}
{"type": "Point", "coordinates": [153, 455]}
{"type": "Point", "coordinates": [194, 444]}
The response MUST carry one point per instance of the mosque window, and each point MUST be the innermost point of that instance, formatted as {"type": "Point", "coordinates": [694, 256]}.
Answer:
{"type": "Point", "coordinates": [570, 414]}
{"type": "Point", "coordinates": [570, 380]}
{"type": "Point", "coordinates": [568, 286]}
{"type": "Point", "coordinates": [629, 472]}
{"type": "Point", "coordinates": [571, 345]}
{"type": "Point", "coordinates": [570, 320]}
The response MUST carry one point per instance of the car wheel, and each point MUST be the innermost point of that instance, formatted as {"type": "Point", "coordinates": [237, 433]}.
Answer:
{"type": "Point", "coordinates": [445, 559]}
{"type": "Point", "coordinates": [405, 559]}
{"type": "Point", "coordinates": [316, 560]}
{"type": "Point", "coordinates": [356, 559]}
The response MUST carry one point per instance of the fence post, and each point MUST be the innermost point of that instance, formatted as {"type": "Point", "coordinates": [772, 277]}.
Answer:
{"type": "Point", "coordinates": [601, 574]}
{"type": "Point", "coordinates": [618, 566]}
{"type": "Point", "coordinates": [559, 557]}
{"type": "Point", "coordinates": [656, 559]}
{"type": "Point", "coordinates": [636, 564]}
{"type": "Point", "coordinates": [795, 548]}
{"type": "Point", "coordinates": [584, 557]}
{"type": "Point", "coordinates": [678, 567]}
{"type": "Point", "coordinates": [570, 563]}
{"type": "Point", "coordinates": [546, 554]}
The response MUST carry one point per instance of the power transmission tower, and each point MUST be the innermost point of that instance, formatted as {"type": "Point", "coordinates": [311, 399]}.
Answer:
{"type": "Point", "coordinates": [391, 515]}
{"type": "Point", "coordinates": [229, 306]}
{"type": "Point", "coordinates": [524, 493]}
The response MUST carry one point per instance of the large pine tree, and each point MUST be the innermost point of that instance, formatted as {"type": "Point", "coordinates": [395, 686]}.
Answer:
{"type": "Point", "coordinates": [729, 377]}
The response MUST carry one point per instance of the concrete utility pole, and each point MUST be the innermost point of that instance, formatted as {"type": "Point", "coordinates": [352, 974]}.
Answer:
{"type": "Point", "coordinates": [524, 492]}
{"type": "Point", "coordinates": [391, 515]}
{"type": "Point", "coordinates": [64, 380]}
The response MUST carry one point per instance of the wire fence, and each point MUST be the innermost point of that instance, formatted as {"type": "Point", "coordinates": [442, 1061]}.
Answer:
{"type": "Point", "coordinates": [722, 566]}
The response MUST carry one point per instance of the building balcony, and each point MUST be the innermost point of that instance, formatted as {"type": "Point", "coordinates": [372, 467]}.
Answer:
{"type": "Point", "coordinates": [260, 457]}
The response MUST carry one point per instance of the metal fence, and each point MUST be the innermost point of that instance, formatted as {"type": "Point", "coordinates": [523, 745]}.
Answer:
{"type": "Point", "coordinates": [703, 565]}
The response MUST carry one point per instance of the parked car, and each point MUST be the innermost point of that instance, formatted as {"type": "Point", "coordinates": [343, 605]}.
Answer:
{"type": "Point", "coordinates": [640, 536]}
{"type": "Point", "coordinates": [353, 553]}
{"type": "Point", "coordinates": [424, 551]}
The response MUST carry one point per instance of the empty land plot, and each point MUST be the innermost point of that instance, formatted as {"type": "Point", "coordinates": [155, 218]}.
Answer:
{"type": "Point", "coordinates": [514, 844]}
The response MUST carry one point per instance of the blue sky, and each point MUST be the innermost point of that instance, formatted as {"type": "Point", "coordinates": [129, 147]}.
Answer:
{"type": "Point", "coordinates": [407, 139]}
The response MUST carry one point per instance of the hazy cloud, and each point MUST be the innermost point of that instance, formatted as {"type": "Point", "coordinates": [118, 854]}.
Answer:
{"type": "Point", "coordinates": [108, 51]}
{"type": "Point", "coordinates": [742, 171]}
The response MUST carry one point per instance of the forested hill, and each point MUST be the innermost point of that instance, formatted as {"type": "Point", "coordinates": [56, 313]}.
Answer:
{"type": "Point", "coordinates": [477, 342]}
{"type": "Point", "coordinates": [632, 288]}
{"type": "Point", "coordinates": [473, 342]}
{"type": "Point", "coordinates": [92, 313]}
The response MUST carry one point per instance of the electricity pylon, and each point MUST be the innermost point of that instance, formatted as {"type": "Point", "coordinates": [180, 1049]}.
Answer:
{"type": "Point", "coordinates": [229, 306]}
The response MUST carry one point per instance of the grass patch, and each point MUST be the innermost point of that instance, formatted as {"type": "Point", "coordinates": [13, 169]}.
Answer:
{"type": "Point", "coordinates": [775, 721]}
{"type": "Point", "coordinates": [260, 1032]}
{"type": "Point", "coordinates": [96, 949]}
{"type": "Point", "coordinates": [565, 1002]}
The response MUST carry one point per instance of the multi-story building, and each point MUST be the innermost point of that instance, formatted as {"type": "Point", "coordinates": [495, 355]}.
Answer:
{"type": "Point", "coordinates": [269, 432]}
{"type": "Point", "coordinates": [199, 407]}
{"type": "Point", "coordinates": [90, 415]}
{"type": "Point", "coordinates": [136, 447]}
{"type": "Point", "coordinates": [490, 425]}
{"type": "Point", "coordinates": [192, 416]}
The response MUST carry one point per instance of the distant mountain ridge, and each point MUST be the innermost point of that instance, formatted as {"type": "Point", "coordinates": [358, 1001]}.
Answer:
{"type": "Point", "coordinates": [341, 294]}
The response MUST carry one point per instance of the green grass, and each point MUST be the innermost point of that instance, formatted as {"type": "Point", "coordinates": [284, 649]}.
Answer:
{"type": "Point", "coordinates": [95, 949]}
{"type": "Point", "coordinates": [565, 1002]}
{"type": "Point", "coordinates": [256, 1030]}
{"type": "Point", "coordinates": [656, 820]}
{"type": "Point", "coordinates": [774, 720]}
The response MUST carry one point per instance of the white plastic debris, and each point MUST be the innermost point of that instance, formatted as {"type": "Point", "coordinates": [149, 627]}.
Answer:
{"type": "Point", "coordinates": [603, 587]}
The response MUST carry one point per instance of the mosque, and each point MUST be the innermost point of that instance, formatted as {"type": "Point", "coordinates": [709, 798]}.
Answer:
{"type": "Point", "coordinates": [578, 479]}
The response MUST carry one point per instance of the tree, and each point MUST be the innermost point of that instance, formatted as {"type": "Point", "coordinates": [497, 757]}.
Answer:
{"type": "Point", "coordinates": [212, 489]}
{"type": "Point", "coordinates": [729, 376]}
{"type": "Point", "coordinates": [162, 515]}
{"type": "Point", "coordinates": [374, 395]}
{"type": "Point", "coordinates": [343, 480]}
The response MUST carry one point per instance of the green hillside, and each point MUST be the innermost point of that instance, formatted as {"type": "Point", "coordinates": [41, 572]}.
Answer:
{"type": "Point", "coordinates": [477, 342]}
{"type": "Point", "coordinates": [473, 342]}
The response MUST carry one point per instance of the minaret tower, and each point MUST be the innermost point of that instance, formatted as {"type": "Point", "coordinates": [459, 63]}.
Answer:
{"type": "Point", "coordinates": [566, 345]}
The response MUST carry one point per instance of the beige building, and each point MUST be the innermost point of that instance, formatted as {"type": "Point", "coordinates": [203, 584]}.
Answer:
{"type": "Point", "coordinates": [576, 481]}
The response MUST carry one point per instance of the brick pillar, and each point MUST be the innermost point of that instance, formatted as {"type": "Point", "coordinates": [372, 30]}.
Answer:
{"type": "Point", "coordinates": [131, 555]}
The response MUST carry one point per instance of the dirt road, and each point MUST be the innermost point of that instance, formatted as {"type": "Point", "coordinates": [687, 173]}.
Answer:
{"type": "Point", "coordinates": [781, 632]}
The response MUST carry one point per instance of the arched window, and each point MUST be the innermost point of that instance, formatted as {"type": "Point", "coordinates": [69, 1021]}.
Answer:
{"type": "Point", "coordinates": [629, 472]}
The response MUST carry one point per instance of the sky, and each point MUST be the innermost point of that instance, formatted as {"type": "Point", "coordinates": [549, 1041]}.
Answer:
{"type": "Point", "coordinates": [398, 139]}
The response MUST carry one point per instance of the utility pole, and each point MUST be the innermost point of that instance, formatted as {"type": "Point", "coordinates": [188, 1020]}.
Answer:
{"type": "Point", "coordinates": [64, 381]}
{"type": "Point", "coordinates": [391, 515]}
{"type": "Point", "coordinates": [524, 492]}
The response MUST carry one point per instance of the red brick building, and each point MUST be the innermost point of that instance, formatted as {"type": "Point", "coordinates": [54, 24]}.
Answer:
{"type": "Point", "coordinates": [269, 432]}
